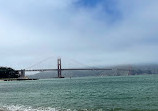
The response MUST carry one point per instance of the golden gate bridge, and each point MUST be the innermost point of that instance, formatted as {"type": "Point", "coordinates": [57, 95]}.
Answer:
{"type": "Point", "coordinates": [59, 69]}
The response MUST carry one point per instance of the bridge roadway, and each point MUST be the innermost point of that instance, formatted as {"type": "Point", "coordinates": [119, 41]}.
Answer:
{"type": "Point", "coordinates": [41, 70]}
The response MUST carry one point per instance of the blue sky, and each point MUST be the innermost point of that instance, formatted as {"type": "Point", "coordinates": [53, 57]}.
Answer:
{"type": "Point", "coordinates": [93, 32]}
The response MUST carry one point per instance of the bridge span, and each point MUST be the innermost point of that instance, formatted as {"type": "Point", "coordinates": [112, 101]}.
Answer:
{"type": "Point", "coordinates": [59, 69]}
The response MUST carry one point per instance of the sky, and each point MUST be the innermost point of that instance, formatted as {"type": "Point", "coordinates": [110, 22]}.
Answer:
{"type": "Point", "coordinates": [83, 32]}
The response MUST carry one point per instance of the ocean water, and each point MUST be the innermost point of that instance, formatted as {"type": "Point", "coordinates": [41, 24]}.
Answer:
{"type": "Point", "coordinates": [117, 93]}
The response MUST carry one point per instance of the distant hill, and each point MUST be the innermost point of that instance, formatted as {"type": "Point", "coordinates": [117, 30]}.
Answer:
{"type": "Point", "coordinates": [44, 75]}
{"type": "Point", "coordinates": [134, 70]}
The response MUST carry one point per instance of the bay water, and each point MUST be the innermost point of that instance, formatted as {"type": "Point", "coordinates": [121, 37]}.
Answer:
{"type": "Point", "coordinates": [109, 93]}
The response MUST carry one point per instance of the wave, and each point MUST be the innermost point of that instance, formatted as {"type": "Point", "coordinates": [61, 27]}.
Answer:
{"type": "Point", "coordinates": [27, 108]}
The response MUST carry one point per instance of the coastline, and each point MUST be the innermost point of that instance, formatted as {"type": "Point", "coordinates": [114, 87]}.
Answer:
{"type": "Point", "coordinates": [16, 79]}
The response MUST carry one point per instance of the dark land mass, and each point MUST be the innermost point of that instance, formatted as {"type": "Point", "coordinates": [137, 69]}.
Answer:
{"type": "Point", "coordinates": [7, 72]}
{"type": "Point", "coordinates": [116, 71]}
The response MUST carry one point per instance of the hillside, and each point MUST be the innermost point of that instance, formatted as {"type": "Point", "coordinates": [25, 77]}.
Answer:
{"type": "Point", "coordinates": [44, 75]}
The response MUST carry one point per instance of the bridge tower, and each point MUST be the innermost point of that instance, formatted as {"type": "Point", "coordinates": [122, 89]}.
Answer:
{"type": "Point", "coordinates": [129, 72]}
{"type": "Point", "coordinates": [59, 67]}
{"type": "Point", "coordinates": [22, 75]}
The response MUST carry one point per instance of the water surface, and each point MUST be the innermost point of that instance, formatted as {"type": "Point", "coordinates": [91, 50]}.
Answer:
{"type": "Point", "coordinates": [117, 93]}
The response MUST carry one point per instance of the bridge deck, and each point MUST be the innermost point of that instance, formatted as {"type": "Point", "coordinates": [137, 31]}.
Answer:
{"type": "Point", "coordinates": [65, 69]}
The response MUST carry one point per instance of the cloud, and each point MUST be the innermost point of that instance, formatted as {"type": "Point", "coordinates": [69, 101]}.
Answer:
{"type": "Point", "coordinates": [96, 32]}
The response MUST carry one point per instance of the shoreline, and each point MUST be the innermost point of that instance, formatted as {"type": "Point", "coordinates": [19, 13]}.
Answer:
{"type": "Point", "coordinates": [16, 79]}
